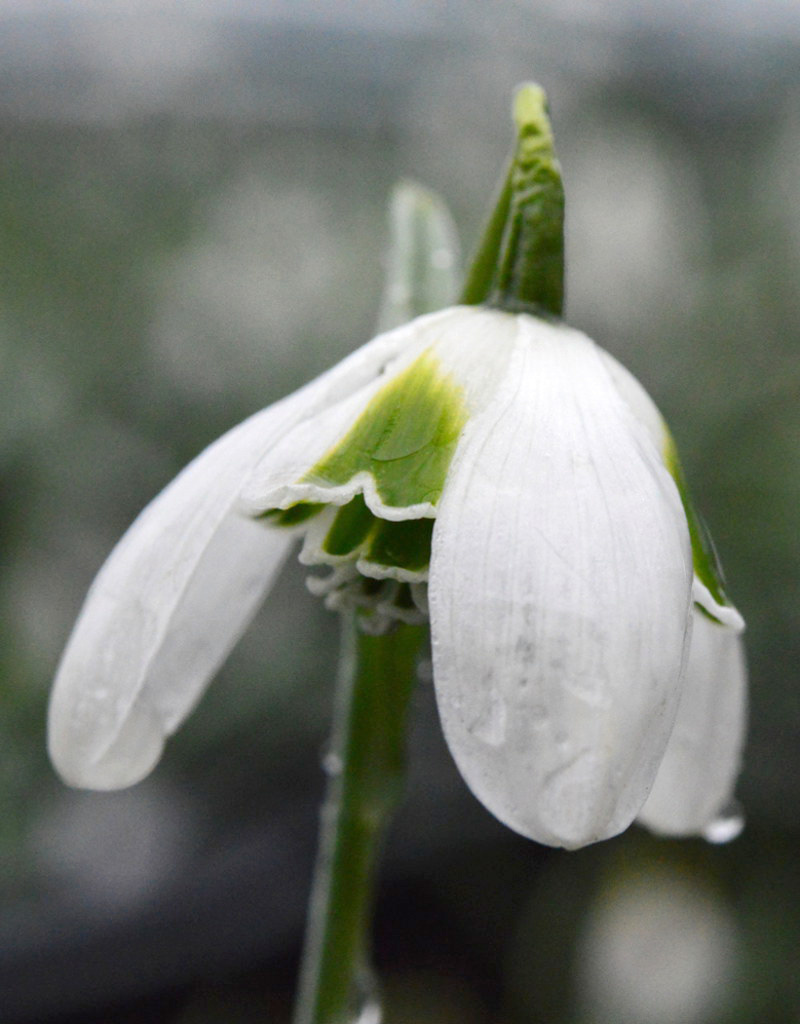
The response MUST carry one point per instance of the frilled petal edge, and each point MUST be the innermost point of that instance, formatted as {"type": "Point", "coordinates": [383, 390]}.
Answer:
{"type": "Point", "coordinates": [175, 595]}
{"type": "Point", "coordinates": [559, 596]}
{"type": "Point", "coordinates": [696, 779]}
{"type": "Point", "coordinates": [391, 440]}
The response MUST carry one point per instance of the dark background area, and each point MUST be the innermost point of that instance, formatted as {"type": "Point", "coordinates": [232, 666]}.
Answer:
{"type": "Point", "coordinates": [192, 221]}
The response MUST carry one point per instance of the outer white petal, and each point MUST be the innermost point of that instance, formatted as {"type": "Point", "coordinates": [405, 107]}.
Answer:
{"type": "Point", "coordinates": [165, 609]}
{"type": "Point", "coordinates": [277, 481]}
{"type": "Point", "coordinates": [457, 337]}
{"type": "Point", "coordinates": [646, 411]}
{"type": "Point", "coordinates": [698, 774]}
{"type": "Point", "coordinates": [729, 616]}
{"type": "Point", "coordinates": [640, 403]}
{"type": "Point", "coordinates": [175, 595]}
{"type": "Point", "coordinates": [559, 596]}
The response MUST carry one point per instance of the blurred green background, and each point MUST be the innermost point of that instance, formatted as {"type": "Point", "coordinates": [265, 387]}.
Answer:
{"type": "Point", "coordinates": [192, 221]}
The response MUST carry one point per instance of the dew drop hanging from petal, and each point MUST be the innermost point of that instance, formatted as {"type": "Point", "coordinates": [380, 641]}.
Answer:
{"type": "Point", "coordinates": [727, 826]}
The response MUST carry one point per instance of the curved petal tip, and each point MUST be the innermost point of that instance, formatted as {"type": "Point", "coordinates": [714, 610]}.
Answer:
{"type": "Point", "coordinates": [697, 775]}
{"type": "Point", "coordinates": [136, 751]}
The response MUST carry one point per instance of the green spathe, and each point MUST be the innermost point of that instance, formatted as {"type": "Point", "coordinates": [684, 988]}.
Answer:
{"type": "Point", "coordinates": [519, 263]}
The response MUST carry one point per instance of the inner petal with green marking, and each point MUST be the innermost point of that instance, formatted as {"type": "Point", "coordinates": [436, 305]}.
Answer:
{"type": "Point", "coordinates": [395, 458]}
{"type": "Point", "coordinates": [403, 441]}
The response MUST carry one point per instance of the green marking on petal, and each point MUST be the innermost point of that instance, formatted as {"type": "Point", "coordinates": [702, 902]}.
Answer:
{"type": "Point", "coordinates": [704, 555]}
{"type": "Point", "coordinates": [405, 545]}
{"type": "Point", "coordinates": [404, 439]}
{"type": "Point", "coordinates": [295, 515]}
{"type": "Point", "coordinates": [350, 528]}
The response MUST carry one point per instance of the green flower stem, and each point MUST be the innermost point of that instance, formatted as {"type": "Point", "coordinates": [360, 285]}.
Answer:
{"type": "Point", "coordinates": [519, 263]}
{"type": "Point", "coordinates": [366, 773]}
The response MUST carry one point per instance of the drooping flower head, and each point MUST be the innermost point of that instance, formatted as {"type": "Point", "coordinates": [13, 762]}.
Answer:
{"type": "Point", "coordinates": [485, 468]}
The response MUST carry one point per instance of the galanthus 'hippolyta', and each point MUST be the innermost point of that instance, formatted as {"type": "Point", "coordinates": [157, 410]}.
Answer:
{"type": "Point", "coordinates": [485, 468]}
{"type": "Point", "coordinates": [499, 474]}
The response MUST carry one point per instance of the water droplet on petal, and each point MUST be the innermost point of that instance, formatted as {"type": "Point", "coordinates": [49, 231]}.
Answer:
{"type": "Point", "coordinates": [491, 725]}
{"type": "Point", "coordinates": [369, 1010]}
{"type": "Point", "coordinates": [332, 764]}
{"type": "Point", "coordinates": [425, 670]}
{"type": "Point", "coordinates": [370, 1013]}
{"type": "Point", "coordinates": [726, 826]}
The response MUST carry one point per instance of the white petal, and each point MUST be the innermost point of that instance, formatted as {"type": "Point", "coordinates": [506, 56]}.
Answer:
{"type": "Point", "coordinates": [559, 594]}
{"type": "Point", "coordinates": [277, 482]}
{"type": "Point", "coordinates": [474, 345]}
{"type": "Point", "coordinates": [729, 616]}
{"type": "Point", "coordinates": [646, 411]}
{"type": "Point", "coordinates": [175, 595]}
{"type": "Point", "coordinates": [457, 339]}
{"type": "Point", "coordinates": [698, 773]}
{"type": "Point", "coordinates": [640, 403]}
{"type": "Point", "coordinates": [167, 606]}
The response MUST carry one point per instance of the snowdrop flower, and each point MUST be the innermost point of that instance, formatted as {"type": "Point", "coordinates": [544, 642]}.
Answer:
{"type": "Point", "coordinates": [497, 474]}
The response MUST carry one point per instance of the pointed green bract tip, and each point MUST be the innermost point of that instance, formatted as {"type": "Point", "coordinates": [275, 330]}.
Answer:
{"type": "Point", "coordinates": [530, 109]}
{"type": "Point", "coordinates": [519, 263]}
